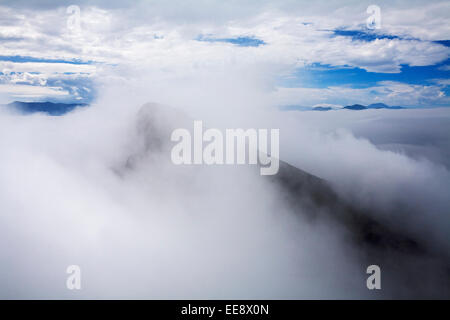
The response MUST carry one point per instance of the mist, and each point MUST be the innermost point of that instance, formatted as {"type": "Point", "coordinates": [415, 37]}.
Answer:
{"type": "Point", "coordinates": [96, 188]}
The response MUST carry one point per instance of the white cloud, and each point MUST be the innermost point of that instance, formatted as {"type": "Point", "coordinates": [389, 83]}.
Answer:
{"type": "Point", "coordinates": [46, 68]}
{"type": "Point", "coordinates": [26, 92]}
{"type": "Point", "coordinates": [126, 35]}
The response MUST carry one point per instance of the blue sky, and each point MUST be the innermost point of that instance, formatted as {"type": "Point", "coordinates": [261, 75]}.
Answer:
{"type": "Point", "coordinates": [23, 59]}
{"type": "Point", "coordinates": [322, 76]}
{"type": "Point", "coordinates": [317, 75]}
{"type": "Point", "coordinates": [313, 54]}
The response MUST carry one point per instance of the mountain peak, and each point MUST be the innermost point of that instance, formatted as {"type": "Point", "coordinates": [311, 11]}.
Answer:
{"type": "Point", "coordinates": [356, 107]}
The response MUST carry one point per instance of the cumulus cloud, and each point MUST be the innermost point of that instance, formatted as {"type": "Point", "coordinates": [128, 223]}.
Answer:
{"type": "Point", "coordinates": [157, 35]}
{"type": "Point", "coordinates": [115, 35]}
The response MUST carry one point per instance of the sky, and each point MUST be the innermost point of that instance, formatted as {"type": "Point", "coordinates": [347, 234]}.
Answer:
{"type": "Point", "coordinates": [320, 54]}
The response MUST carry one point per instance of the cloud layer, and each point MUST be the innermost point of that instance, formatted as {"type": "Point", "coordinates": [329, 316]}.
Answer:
{"type": "Point", "coordinates": [153, 35]}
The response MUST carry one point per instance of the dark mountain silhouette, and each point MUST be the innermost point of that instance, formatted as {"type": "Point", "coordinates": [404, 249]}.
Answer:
{"type": "Point", "coordinates": [377, 106]}
{"type": "Point", "coordinates": [382, 106]}
{"type": "Point", "coordinates": [356, 107]}
{"type": "Point", "coordinates": [54, 109]}
{"type": "Point", "coordinates": [371, 106]}
{"type": "Point", "coordinates": [322, 108]}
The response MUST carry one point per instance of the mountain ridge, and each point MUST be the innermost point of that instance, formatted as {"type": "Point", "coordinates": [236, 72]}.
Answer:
{"type": "Point", "coordinates": [371, 106]}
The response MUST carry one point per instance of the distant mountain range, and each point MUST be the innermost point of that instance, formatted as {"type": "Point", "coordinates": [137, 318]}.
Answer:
{"type": "Point", "coordinates": [322, 108]}
{"type": "Point", "coordinates": [54, 109]}
{"type": "Point", "coordinates": [57, 109]}
{"type": "Point", "coordinates": [371, 106]}
{"type": "Point", "coordinates": [328, 107]}
{"type": "Point", "coordinates": [355, 107]}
